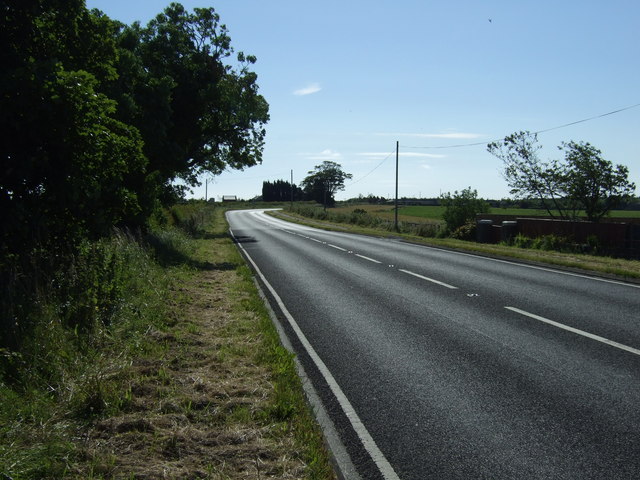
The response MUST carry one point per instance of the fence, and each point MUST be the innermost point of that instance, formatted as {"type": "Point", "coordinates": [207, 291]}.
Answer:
{"type": "Point", "coordinates": [619, 237]}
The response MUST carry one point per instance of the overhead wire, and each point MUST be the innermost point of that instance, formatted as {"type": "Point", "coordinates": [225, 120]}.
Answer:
{"type": "Point", "coordinates": [534, 133]}
{"type": "Point", "coordinates": [370, 172]}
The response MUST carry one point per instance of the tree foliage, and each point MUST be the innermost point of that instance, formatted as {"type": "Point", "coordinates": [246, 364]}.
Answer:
{"type": "Point", "coordinates": [461, 208]}
{"type": "Point", "coordinates": [99, 119]}
{"type": "Point", "coordinates": [197, 114]}
{"type": "Point", "coordinates": [324, 181]}
{"type": "Point", "coordinates": [594, 183]}
{"type": "Point", "coordinates": [68, 163]}
{"type": "Point", "coordinates": [280, 191]}
{"type": "Point", "coordinates": [583, 180]}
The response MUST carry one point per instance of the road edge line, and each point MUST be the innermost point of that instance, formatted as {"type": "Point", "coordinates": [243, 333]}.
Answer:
{"type": "Point", "coordinates": [365, 437]}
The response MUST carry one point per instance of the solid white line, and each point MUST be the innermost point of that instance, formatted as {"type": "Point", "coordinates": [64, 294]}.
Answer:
{"type": "Point", "coordinates": [367, 258]}
{"type": "Point", "coordinates": [337, 247]}
{"type": "Point", "coordinates": [367, 440]}
{"type": "Point", "coordinates": [429, 279]}
{"type": "Point", "coordinates": [575, 330]}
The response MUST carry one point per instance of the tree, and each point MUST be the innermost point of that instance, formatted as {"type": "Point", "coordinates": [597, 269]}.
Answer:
{"type": "Point", "coordinates": [197, 114]}
{"type": "Point", "coordinates": [280, 191]}
{"type": "Point", "coordinates": [593, 182]}
{"type": "Point", "coordinates": [461, 208]}
{"type": "Point", "coordinates": [526, 174]}
{"type": "Point", "coordinates": [69, 166]}
{"type": "Point", "coordinates": [584, 180]}
{"type": "Point", "coordinates": [324, 181]}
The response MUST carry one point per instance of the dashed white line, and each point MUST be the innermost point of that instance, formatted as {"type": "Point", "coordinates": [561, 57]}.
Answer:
{"type": "Point", "coordinates": [576, 331]}
{"type": "Point", "coordinates": [337, 247]}
{"type": "Point", "coordinates": [432, 280]}
{"type": "Point", "coordinates": [367, 258]}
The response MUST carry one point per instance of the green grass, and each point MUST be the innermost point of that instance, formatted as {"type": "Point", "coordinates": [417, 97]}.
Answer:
{"type": "Point", "coordinates": [69, 375]}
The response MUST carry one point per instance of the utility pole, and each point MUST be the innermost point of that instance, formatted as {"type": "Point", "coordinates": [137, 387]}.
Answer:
{"type": "Point", "coordinates": [396, 214]}
{"type": "Point", "coordinates": [206, 184]}
{"type": "Point", "coordinates": [292, 189]}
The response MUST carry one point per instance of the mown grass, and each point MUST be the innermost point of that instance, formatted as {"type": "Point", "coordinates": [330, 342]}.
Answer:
{"type": "Point", "coordinates": [112, 353]}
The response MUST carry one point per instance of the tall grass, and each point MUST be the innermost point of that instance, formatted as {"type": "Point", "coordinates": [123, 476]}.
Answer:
{"type": "Point", "coordinates": [71, 327]}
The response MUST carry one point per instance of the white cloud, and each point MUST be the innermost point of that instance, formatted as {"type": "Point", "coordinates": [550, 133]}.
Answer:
{"type": "Point", "coordinates": [308, 90]}
{"type": "Point", "coordinates": [449, 136]}
{"type": "Point", "coordinates": [326, 154]}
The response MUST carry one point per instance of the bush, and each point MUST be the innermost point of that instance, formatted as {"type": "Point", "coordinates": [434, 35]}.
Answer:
{"type": "Point", "coordinates": [465, 232]}
{"type": "Point", "coordinates": [461, 208]}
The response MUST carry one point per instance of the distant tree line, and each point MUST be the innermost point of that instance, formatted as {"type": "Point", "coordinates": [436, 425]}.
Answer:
{"type": "Point", "coordinates": [281, 191]}
{"type": "Point", "coordinates": [320, 185]}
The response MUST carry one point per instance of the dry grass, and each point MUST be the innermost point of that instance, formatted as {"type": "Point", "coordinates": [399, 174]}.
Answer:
{"type": "Point", "coordinates": [202, 404]}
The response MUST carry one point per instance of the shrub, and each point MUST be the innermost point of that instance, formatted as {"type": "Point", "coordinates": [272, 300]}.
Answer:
{"type": "Point", "coordinates": [461, 208]}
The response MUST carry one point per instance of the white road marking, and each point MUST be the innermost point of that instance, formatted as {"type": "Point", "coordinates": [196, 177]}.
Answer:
{"type": "Point", "coordinates": [575, 330]}
{"type": "Point", "coordinates": [337, 247]}
{"type": "Point", "coordinates": [438, 282]}
{"type": "Point", "coordinates": [368, 258]}
{"type": "Point", "coordinates": [534, 267]}
{"type": "Point", "coordinates": [367, 440]}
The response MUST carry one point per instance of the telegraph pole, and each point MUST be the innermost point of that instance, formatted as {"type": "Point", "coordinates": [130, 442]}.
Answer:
{"type": "Point", "coordinates": [292, 189]}
{"type": "Point", "coordinates": [396, 203]}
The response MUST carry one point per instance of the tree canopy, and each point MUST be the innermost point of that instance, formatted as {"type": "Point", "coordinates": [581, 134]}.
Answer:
{"type": "Point", "coordinates": [324, 181]}
{"type": "Point", "coordinates": [99, 118]}
{"type": "Point", "coordinates": [583, 180]}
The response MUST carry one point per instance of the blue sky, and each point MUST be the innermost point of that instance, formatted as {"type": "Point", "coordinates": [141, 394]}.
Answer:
{"type": "Point", "coordinates": [347, 79]}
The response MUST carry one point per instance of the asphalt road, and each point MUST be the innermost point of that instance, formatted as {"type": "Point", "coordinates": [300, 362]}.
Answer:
{"type": "Point", "coordinates": [437, 364]}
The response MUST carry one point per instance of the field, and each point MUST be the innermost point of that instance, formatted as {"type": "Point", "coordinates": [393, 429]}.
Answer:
{"type": "Point", "coordinates": [422, 214]}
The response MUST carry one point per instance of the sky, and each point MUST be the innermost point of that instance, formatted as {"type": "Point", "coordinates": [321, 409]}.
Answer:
{"type": "Point", "coordinates": [345, 80]}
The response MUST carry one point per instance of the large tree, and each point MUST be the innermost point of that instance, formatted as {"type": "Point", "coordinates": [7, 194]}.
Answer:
{"type": "Point", "coordinates": [594, 183]}
{"type": "Point", "coordinates": [324, 181]}
{"type": "Point", "coordinates": [583, 180]}
{"type": "Point", "coordinates": [527, 174]}
{"type": "Point", "coordinates": [68, 165]}
{"type": "Point", "coordinates": [196, 111]}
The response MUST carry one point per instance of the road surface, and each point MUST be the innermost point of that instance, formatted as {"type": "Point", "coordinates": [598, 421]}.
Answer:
{"type": "Point", "coordinates": [439, 364]}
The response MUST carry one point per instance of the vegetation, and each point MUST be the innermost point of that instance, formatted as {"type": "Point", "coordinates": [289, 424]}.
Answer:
{"type": "Point", "coordinates": [281, 191]}
{"type": "Point", "coordinates": [324, 181]}
{"type": "Point", "coordinates": [584, 180]}
{"type": "Point", "coordinates": [99, 120]}
{"type": "Point", "coordinates": [132, 340]}
{"type": "Point", "coordinates": [180, 374]}
{"type": "Point", "coordinates": [460, 209]}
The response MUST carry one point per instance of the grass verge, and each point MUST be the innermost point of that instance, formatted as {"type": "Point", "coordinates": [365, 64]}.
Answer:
{"type": "Point", "coordinates": [202, 391]}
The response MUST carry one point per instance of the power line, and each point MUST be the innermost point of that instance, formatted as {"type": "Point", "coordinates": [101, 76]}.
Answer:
{"type": "Point", "coordinates": [534, 133]}
{"type": "Point", "coordinates": [374, 169]}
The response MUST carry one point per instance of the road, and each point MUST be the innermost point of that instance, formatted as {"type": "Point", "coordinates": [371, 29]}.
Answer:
{"type": "Point", "coordinates": [440, 364]}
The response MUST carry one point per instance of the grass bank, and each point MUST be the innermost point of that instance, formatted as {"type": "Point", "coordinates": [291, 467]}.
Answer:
{"type": "Point", "coordinates": [182, 377]}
